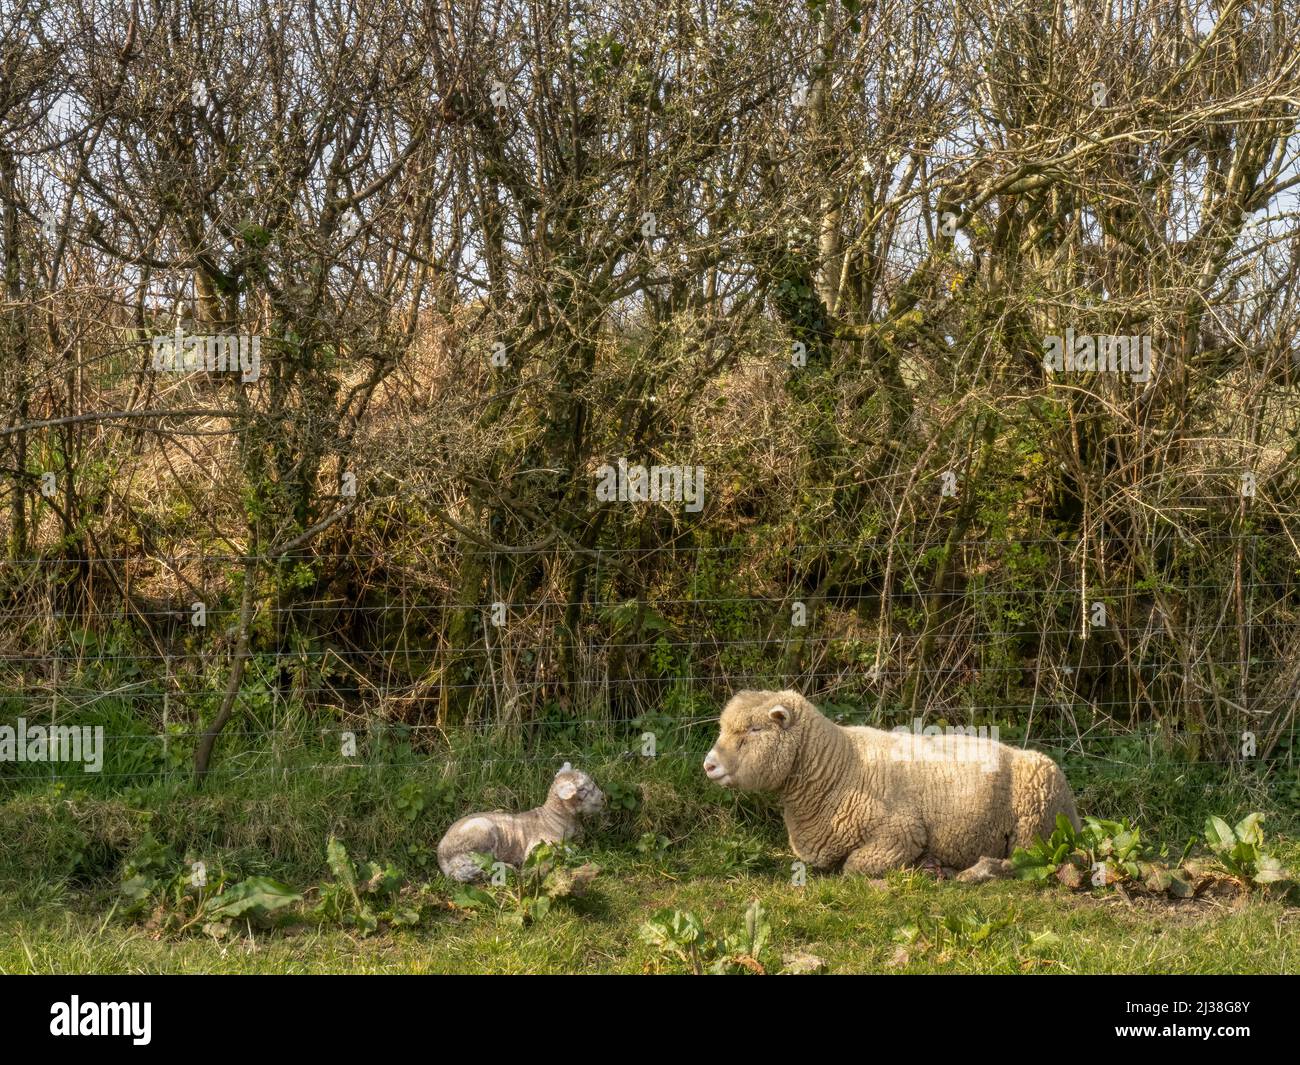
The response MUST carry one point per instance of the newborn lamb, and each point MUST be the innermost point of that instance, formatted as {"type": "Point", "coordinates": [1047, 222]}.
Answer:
{"type": "Point", "coordinates": [510, 837]}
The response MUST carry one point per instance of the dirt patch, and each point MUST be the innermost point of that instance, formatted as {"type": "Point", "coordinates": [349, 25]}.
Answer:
{"type": "Point", "coordinates": [1216, 900]}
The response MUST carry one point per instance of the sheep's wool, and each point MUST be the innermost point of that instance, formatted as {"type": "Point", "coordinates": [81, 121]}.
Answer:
{"type": "Point", "coordinates": [870, 801]}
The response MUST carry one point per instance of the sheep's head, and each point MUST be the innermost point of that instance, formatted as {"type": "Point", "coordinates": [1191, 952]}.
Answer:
{"type": "Point", "coordinates": [758, 741]}
{"type": "Point", "coordinates": [576, 792]}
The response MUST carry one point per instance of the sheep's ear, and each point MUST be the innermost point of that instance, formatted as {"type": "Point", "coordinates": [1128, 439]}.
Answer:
{"type": "Point", "coordinates": [566, 789]}
{"type": "Point", "coordinates": [565, 768]}
{"type": "Point", "coordinates": [781, 715]}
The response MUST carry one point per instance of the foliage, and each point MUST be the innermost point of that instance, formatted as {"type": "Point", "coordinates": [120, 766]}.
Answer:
{"type": "Point", "coordinates": [178, 898]}
{"type": "Point", "coordinates": [946, 933]}
{"type": "Point", "coordinates": [524, 896]}
{"type": "Point", "coordinates": [1240, 849]}
{"type": "Point", "coordinates": [620, 797]}
{"type": "Point", "coordinates": [363, 896]}
{"type": "Point", "coordinates": [680, 935]}
{"type": "Point", "coordinates": [1104, 853]}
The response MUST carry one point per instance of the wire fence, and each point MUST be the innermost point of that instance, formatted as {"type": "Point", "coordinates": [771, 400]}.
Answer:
{"type": "Point", "coordinates": [1186, 672]}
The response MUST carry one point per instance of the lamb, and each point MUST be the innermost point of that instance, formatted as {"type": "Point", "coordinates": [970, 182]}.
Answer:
{"type": "Point", "coordinates": [511, 837]}
{"type": "Point", "coordinates": [868, 800]}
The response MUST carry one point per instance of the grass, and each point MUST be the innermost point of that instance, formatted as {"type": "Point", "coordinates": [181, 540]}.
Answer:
{"type": "Point", "coordinates": [708, 851]}
{"type": "Point", "coordinates": [850, 923]}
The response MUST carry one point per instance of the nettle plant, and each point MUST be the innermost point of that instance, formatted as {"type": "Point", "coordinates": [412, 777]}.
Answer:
{"type": "Point", "coordinates": [653, 845]}
{"type": "Point", "coordinates": [742, 854]}
{"type": "Point", "coordinates": [415, 798]}
{"type": "Point", "coordinates": [621, 798]}
{"type": "Point", "coordinates": [942, 938]}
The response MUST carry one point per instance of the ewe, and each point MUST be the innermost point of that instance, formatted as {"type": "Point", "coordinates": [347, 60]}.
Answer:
{"type": "Point", "coordinates": [875, 800]}
{"type": "Point", "coordinates": [510, 837]}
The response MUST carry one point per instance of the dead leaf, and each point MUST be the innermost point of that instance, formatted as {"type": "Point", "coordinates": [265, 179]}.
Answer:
{"type": "Point", "coordinates": [801, 964]}
{"type": "Point", "coordinates": [1070, 875]}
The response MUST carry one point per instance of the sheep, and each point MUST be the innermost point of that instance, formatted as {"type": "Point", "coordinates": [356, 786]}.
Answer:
{"type": "Point", "coordinates": [869, 801]}
{"type": "Point", "coordinates": [511, 837]}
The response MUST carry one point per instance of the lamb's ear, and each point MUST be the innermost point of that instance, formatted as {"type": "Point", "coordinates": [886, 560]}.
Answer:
{"type": "Point", "coordinates": [781, 715]}
{"type": "Point", "coordinates": [565, 768]}
{"type": "Point", "coordinates": [566, 789]}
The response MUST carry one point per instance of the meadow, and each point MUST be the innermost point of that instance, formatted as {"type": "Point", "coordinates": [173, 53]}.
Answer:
{"type": "Point", "coordinates": [671, 847]}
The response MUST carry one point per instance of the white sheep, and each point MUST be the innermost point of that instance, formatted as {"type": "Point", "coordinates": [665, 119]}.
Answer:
{"type": "Point", "coordinates": [509, 837]}
{"type": "Point", "coordinates": [871, 800]}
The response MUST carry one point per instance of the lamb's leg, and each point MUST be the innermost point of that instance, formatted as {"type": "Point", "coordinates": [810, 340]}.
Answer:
{"type": "Point", "coordinates": [987, 869]}
{"type": "Point", "coordinates": [473, 835]}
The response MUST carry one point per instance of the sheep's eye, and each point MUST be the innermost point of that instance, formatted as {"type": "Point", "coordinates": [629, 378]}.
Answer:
{"type": "Point", "coordinates": [755, 728]}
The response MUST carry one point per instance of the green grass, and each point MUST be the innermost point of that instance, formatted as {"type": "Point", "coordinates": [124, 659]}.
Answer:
{"type": "Point", "coordinates": [848, 922]}
{"type": "Point", "coordinates": [61, 865]}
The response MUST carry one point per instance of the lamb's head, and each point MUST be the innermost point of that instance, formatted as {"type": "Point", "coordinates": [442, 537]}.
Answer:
{"type": "Point", "coordinates": [575, 792]}
{"type": "Point", "coordinates": [758, 740]}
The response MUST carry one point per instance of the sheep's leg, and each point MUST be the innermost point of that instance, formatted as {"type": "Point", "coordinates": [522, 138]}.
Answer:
{"type": "Point", "coordinates": [876, 857]}
{"type": "Point", "coordinates": [987, 869]}
{"type": "Point", "coordinates": [931, 865]}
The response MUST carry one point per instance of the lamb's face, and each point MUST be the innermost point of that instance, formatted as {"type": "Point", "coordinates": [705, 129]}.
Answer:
{"type": "Point", "coordinates": [576, 792]}
{"type": "Point", "coordinates": [757, 743]}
